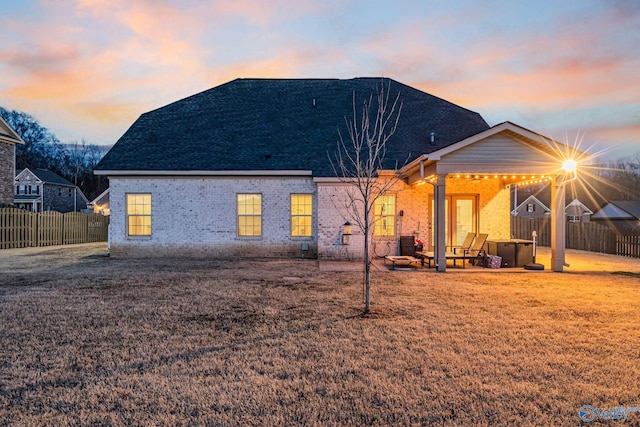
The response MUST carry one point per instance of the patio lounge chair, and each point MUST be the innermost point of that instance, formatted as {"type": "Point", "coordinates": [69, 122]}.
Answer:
{"type": "Point", "coordinates": [468, 241]}
{"type": "Point", "coordinates": [476, 250]}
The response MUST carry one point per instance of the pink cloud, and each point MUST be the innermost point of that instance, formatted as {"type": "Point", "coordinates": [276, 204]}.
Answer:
{"type": "Point", "coordinates": [540, 75]}
{"type": "Point", "coordinates": [264, 13]}
{"type": "Point", "coordinates": [43, 58]}
{"type": "Point", "coordinates": [110, 60]}
{"type": "Point", "coordinates": [74, 76]}
{"type": "Point", "coordinates": [626, 132]}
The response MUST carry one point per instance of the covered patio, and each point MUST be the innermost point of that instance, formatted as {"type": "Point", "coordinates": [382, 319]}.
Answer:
{"type": "Point", "coordinates": [499, 157]}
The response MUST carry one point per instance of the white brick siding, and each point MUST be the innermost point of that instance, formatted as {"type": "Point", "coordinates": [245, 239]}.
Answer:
{"type": "Point", "coordinates": [198, 216]}
{"type": "Point", "coordinates": [331, 218]}
{"type": "Point", "coordinates": [333, 214]}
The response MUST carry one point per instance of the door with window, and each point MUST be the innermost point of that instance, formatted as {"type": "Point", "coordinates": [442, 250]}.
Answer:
{"type": "Point", "coordinates": [459, 221]}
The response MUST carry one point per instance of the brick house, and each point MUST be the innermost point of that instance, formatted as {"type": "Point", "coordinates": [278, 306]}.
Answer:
{"type": "Point", "coordinates": [243, 169]}
{"type": "Point", "coordinates": [41, 190]}
{"type": "Point", "coordinates": [8, 140]}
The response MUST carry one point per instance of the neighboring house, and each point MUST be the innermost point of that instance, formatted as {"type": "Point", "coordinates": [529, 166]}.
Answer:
{"type": "Point", "coordinates": [622, 214]}
{"type": "Point", "coordinates": [243, 169]}
{"type": "Point", "coordinates": [100, 204]}
{"type": "Point", "coordinates": [8, 140]}
{"type": "Point", "coordinates": [576, 211]}
{"type": "Point", "coordinates": [41, 190]}
{"type": "Point", "coordinates": [531, 207]}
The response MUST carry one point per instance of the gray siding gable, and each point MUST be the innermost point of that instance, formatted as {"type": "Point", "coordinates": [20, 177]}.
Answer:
{"type": "Point", "coordinates": [48, 177]}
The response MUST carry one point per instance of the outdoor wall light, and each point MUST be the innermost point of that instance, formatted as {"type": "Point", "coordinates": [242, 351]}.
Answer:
{"type": "Point", "coordinates": [570, 166]}
{"type": "Point", "coordinates": [346, 233]}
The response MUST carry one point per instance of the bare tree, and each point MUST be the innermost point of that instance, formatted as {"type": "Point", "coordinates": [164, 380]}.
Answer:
{"type": "Point", "coordinates": [612, 180]}
{"type": "Point", "coordinates": [41, 148]}
{"type": "Point", "coordinates": [78, 153]}
{"type": "Point", "coordinates": [358, 162]}
{"type": "Point", "coordinates": [625, 173]}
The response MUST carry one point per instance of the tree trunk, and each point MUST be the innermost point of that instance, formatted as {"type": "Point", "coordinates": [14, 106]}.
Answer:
{"type": "Point", "coordinates": [367, 277]}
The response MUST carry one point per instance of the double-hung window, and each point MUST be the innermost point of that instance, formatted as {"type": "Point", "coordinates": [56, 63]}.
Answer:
{"type": "Point", "coordinates": [249, 215]}
{"type": "Point", "coordinates": [301, 215]}
{"type": "Point", "coordinates": [139, 214]}
{"type": "Point", "coordinates": [384, 216]}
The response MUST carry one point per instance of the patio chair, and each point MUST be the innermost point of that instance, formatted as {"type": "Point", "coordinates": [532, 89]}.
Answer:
{"type": "Point", "coordinates": [476, 250]}
{"type": "Point", "coordinates": [466, 244]}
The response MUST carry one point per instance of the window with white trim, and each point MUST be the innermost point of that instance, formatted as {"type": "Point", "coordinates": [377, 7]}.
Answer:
{"type": "Point", "coordinates": [139, 214]}
{"type": "Point", "coordinates": [249, 215]}
{"type": "Point", "coordinates": [301, 215]}
{"type": "Point", "coordinates": [384, 216]}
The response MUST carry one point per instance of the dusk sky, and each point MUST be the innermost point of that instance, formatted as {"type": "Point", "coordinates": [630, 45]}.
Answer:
{"type": "Point", "coordinates": [86, 69]}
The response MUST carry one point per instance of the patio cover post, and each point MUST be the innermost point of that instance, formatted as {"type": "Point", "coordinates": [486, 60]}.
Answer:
{"type": "Point", "coordinates": [557, 224]}
{"type": "Point", "coordinates": [439, 244]}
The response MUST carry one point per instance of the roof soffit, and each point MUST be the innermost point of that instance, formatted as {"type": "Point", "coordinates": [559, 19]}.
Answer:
{"type": "Point", "coordinates": [7, 134]}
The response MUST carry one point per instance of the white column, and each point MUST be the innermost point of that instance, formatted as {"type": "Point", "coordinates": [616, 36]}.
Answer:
{"type": "Point", "coordinates": [557, 224]}
{"type": "Point", "coordinates": [439, 244]}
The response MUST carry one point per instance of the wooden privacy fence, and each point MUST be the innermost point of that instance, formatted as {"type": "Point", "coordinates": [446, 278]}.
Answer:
{"type": "Point", "coordinates": [586, 236]}
{"type": "Point", "coordinates": [629, 245]}
{"type": "Point", "coordinates": [21, 229]}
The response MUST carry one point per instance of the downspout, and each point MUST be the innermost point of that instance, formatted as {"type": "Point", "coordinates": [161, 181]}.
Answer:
{"type": "Point", "coordinates": [557, 225]}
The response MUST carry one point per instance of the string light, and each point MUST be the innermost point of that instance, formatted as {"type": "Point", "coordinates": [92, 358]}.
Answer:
{"type": "Point", "coordinates": [521, 179]}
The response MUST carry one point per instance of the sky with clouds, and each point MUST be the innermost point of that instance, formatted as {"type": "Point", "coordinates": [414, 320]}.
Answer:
{"type": "Point", "coordinates": [86, 69]}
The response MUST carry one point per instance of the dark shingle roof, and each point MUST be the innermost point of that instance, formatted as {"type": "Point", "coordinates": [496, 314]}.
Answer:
{"type": "Point", "coordinates": [631, 206]}
{"type": "Point", "coordinates": [280, 124]}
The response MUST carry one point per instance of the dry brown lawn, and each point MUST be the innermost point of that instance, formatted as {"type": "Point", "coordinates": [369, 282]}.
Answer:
{"type": "Point", "coordinates": [90, 340]}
